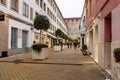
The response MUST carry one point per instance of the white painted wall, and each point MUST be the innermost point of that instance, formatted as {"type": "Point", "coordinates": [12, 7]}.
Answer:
{"type": "Point", "coordinates": [36, 8]}
{"type": "Point", "coordinates": [82, 23]}
{"type": "Point", "coordinates": [22, 26]}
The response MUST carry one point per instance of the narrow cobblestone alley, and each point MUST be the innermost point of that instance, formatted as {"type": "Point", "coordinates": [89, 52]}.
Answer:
{"type": "Point", "coordinates": [65, 65]}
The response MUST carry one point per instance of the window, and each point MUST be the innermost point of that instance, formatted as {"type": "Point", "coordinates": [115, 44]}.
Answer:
{"type": "Point", "coordinates": [3, 2]}
{"type": "Point", "coordinates": [14, 5]}
{"type": "Point", "coordinates": [31, 13]}
{"type": "Point", "coordinates": [48, 11]}
{"type": "Point", "coordinates": [44, 7]}
{"type": "Point", "coordinates": [37, 1]}
{"type": "Point", "coordinates": [90, 7]}
{"type": "Point", "coordinates": [55, 9]}
{"type": "Point", "coordinates": [25, 9]}
{"type": "Point", "coordinates": [14, 37]}
{"type": "Point", "coordinates": [41, 1]}
{"type": "Point", "coordinates": [36, 14]}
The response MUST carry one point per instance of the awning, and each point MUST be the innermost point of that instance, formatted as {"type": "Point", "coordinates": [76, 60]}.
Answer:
{"type": "Point", "coordinates": [52, 35]}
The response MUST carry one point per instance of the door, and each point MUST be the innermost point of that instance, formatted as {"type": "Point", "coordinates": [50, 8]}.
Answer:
{"type": "Point", "coordinates": [24, 41]}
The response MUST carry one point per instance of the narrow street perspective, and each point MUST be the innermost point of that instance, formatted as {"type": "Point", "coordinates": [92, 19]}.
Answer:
{"type": "Point", "coordinates": [59, 40]}
{"type": "Point", "coordinates": [65, 65]}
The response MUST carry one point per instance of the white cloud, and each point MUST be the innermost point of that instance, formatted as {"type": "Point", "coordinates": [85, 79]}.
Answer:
{"type": "Point", "coordinates": [70, 8]}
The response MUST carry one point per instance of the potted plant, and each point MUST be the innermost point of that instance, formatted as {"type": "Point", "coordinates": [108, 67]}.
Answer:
{"type": "Point", "coordinates": [57, 47]}
{"type": "Point", "coordinates": [40, 23]}
{"type": "Point", "coordinates": [117, 55]}
{"type": "Point", "coordinates": [58, 33]}
{"type": "Point", "coordinates": [40, 51]}
{"type": "Point", "coordinates": [84, 49]}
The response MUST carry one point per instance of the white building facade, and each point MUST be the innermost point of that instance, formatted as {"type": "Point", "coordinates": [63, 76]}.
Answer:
{"type": "Point", "coordinates": [18, 24]}
{"type": "Point", "coordinates": [82, 26]}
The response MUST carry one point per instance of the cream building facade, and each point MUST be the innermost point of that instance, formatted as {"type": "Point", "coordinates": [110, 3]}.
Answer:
{"type": "Point", "coordinates": [17, 32]}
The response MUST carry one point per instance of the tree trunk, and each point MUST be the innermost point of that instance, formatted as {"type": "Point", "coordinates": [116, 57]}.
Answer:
{"type": "Point", "coordinates": [40, 36]}
{"type": "Point", "coordinates": [57, 39]}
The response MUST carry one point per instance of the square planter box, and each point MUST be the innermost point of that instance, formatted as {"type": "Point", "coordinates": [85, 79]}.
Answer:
{"type": "Point", "coordinates": [118, 70]}
{"type": "Point", "coordinates": [57, 48]}
{"type": "Point", "coordinates": [41, 55]}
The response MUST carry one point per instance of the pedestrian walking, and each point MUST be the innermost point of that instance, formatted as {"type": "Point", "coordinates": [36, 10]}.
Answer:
{"type": "Point", "coordinates": [75, 45]}
{"type": "Point", "coordinates": [68, 45]}
{"type": "Point", "coordinates": [71, 45]}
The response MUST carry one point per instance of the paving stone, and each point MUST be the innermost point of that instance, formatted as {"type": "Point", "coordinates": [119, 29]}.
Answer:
{"type": "Point", "coordinates": [49, 71]}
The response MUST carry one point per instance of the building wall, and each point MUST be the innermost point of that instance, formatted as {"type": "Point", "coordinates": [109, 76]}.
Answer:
{"type": "Point", "coordinates": [115, 39]}
{"type": "Point", "coordinates": [108, 29]}
{"type": "Point", "coordinates": [21, 27]}
{"type": "Point", "coordinates": [110, 5]}
{"type": "Point", "coordinates": [17, 20]}
{"type": "Point", "coordinates": [94, 10]}
{"type": "Point", "coordinates": [4, 35]}
{"type": "Point", "coordinates": [73, 27]}
{"type": "Point", "coordinates": [83, 26]}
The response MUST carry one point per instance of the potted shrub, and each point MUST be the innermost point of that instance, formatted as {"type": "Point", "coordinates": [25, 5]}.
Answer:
{"type": "Point", "coordinates": [40, 51]}
{"type": "Point", "coordinates": [117, 55]}
{"type": "Point", "coordinates": [40, 23]}
{"type": "Point", "coordinates": [57, 47]}
{"type": "Point", "coordinates": [84, 49]}
{"type": "Point", "coordinates": [58, 33]}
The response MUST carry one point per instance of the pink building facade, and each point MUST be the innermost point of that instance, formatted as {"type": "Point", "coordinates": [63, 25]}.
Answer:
{"type": "Point", "coordinates": [102, 24]}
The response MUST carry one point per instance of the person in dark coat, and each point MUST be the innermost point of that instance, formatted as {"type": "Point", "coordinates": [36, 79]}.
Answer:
{"type": "Point", "coordinates": [71, 45]}
{"type": "Point", "coordinates": [75, 45]}
{"type": "Point", "coordinates": [68, 45]}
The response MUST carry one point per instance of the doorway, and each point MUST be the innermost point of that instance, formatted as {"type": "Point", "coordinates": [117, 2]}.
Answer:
{"type": "Point", "coordinates": [107, 42]}
{"type": "Point", "coordinates": [96, 43]}
{"type": "Point", "coordinates": [24, 41]}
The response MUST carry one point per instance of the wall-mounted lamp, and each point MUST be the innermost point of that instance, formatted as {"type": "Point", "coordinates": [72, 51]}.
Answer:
{"type": "Point", "coordinates": [98, 17]}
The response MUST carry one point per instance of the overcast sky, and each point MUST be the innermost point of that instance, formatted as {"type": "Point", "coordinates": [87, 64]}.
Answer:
{"type": "Point", "coordinates": [70, 8]}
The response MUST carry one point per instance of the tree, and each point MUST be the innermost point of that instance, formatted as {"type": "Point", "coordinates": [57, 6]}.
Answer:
{"type": "Point", "coordinates": [58, 32]}
{"type": "Point", "coordinates": [41, 22]}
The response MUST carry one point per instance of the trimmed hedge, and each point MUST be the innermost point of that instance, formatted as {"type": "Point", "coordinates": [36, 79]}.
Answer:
{"type": "Point", "coordinates": [117, 54]}
{"type": "Point", "coordinates": [38, 47]}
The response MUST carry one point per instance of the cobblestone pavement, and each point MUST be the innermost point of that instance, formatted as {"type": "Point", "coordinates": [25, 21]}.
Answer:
{"type": "Point", "coordinates": [65, 65]}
